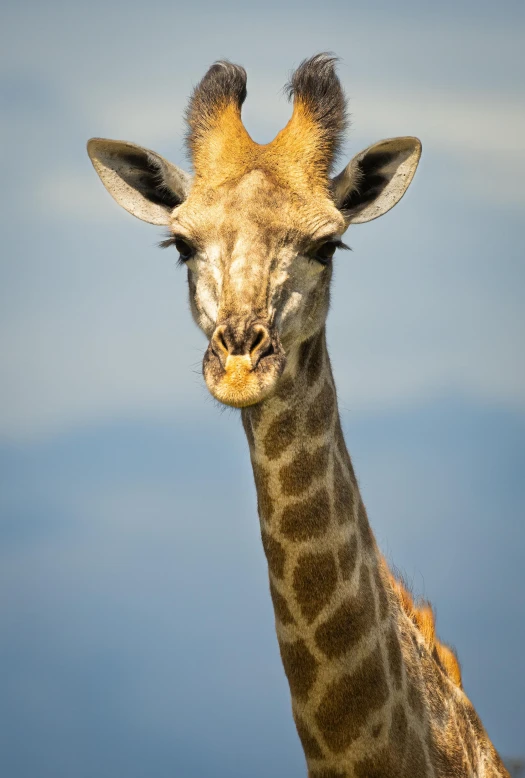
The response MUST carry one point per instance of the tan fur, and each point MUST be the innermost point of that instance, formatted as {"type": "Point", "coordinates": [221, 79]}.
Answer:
{"type": "Point", "coordinates": [238, 386]}
{"type": "Point", "coordinates": [300, 153]}
{"type": "Point", "coordinates": [296, 159]}
{"type": "Point", "coordinates": [225, 152]}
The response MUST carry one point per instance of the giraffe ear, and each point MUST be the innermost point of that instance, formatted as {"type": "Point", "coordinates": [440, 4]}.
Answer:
{"type": "Point", "coordinates": [142, 182]}
{"type": "Point", "coordinates": [376, 179]}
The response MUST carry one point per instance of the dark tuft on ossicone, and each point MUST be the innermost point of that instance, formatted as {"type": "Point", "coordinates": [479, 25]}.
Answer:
{"type": "Point", "coordinates": [223, 83]}
{"type": "Point", "coordinates": [316, 84]}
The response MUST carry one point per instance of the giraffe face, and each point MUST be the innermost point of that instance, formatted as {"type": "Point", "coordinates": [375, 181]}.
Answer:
{"type": "Point", "coordinates": [258, 224]}
{"type": "Point", "coordinates": [259, 267]}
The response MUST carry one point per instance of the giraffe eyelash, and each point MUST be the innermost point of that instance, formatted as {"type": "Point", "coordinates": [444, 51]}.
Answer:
{"type": "Point", "coordinates": [323, 251]}
{"type": "Point", "coordinates": [337, 243]}
{"type": "Point", "coordinates": [172, 240]}
{"type": "Point", "coordinates": [167, 242]}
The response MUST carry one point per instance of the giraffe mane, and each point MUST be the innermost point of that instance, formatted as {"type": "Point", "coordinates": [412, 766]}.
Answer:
{"type": "Point", "coordinates": [422, 615]}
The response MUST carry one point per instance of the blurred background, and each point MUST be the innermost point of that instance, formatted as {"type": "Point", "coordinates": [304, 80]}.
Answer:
{"type": "Point", "coordinates": [137, 633]}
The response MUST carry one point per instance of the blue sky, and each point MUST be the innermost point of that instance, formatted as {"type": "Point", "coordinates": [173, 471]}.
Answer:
{"type": "Point", "coordinates": [139, 635]}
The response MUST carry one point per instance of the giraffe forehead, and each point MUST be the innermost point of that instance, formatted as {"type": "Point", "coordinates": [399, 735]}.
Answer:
{"type": "Point", "coordinates": [256, 209]}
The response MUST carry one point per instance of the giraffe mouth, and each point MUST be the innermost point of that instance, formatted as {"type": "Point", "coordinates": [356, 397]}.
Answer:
{"type": "Point", "coordinates": [240, 380]}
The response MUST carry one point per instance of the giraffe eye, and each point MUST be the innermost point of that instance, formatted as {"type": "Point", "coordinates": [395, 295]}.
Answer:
{"type": "Point", "coordinates": [325, 252]}
{"type": "Point", "coordinates": [185, 250]}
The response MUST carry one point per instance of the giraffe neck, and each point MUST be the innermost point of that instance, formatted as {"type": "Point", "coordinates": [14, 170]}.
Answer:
{"type": "Point", "coordinates": [336, 635]}
{"type": "Point", "coordinates": [368, 696]}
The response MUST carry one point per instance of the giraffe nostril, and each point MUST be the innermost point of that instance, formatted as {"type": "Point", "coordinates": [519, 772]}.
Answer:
{"type": "Point", "coordinates": [221, 341]}
{"type": "Point", "coordinates": [259, 337]}
{"type": "Point", "coordinates": [266, 350]}
{"type": "Point", "coordinates": [232, 341]}
{"type": "Point", "coordinates": [261, 344]}
{"type": "Point", "coordinates": [219, 344]}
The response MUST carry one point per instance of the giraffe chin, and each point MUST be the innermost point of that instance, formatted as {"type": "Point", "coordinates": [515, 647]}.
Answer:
{"type": "Point", "coordinates": [239, 384]}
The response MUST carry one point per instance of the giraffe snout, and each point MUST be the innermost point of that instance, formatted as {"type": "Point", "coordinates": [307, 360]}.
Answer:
{"type": "Point", "coordinates": [243, 362]}
{"type": "Point", "coordinates": [252, 343]}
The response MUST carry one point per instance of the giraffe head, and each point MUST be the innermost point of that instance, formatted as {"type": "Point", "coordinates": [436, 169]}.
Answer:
{"type": "Point", "coordinates": [258, 225]}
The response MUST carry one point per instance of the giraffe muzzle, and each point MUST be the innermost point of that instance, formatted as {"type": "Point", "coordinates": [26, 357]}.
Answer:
{"type": "Point", "coordinates": [243, 362]}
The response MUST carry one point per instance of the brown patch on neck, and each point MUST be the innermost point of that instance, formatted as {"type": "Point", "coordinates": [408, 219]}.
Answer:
{"type": "Point", "coordinates": [296, 477]}
{"type": "Point", "coordinates": [313, 352]}
{"type": "Point", "coordinates": [347, 556]}
{"type": "Point", "coordinates": [311, 748]}
{"type": "Point", "coordinates": [381, 588]}
{"type": "Point", "coordinates": [264, 500]}
{"type": "Point", "coordinates": [403, 758]}
{"type": "Point", "coordinates": [307, 519]}
{"type": "Point", "coordinates": [344, 494]}
{"type": "Point", "coordinates": [349, 701]}
{"type": "Point", "coordinates": [352, 620]}
{"type": "Point", "coordinates": [367, 537]}
{"type": "Point", "coordinates": [415, 760]}
{"type": "Point", "coordinates": [275, 555]}
{"type": "Point", "coordinates": [395, 658]}
{"type": "Point", "coordinates": [321, 411]}
{"type": "Point", "coordinates": [300, 667]}
{"type": "Point", "coordinates": [280, 606]}
{"type": "Point", "coordinates": [314, 582]}
{"type": "Point", "coordinates": [285, 388]}
{"type": "Point", "coordinates": [281, 434]}
{"type": "Point", "coordinates": [388, 762]}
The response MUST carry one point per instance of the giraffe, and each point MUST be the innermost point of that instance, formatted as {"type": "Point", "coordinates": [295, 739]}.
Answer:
{"type": "Point", "coordinates": [374, 693]}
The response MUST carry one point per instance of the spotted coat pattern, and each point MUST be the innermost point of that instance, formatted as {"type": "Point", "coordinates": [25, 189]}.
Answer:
{"type": "Point", "coordinates": [371, 696]}
{"type": "Point", "coordinates": [374, 693]}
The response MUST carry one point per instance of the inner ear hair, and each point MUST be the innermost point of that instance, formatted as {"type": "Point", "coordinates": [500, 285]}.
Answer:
{"type": "Point", "coordinates": [376, 178]}
{"type": "Point", "coordinates": [147, 174]}
{"type": "Point", "coordinates": [371, 177]}
{"type": "Point", "coordinates": [140, 180]}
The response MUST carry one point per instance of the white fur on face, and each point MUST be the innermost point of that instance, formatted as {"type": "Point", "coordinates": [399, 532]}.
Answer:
{"type": "Point", "coordinates": [206, 278]}
{"type": "Point", "coordinates": [250, 262]}
{"type": "Point", "coordinates": [252, 276]}
{"type": "Point", "coordinates": [296, 318]}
